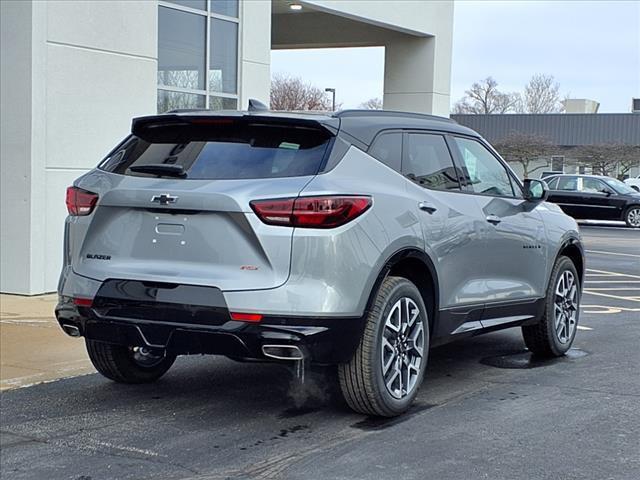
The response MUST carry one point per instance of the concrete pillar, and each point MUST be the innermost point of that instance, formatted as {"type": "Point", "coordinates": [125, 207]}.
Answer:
{"type": "Point", "coordinates": [417, 74]}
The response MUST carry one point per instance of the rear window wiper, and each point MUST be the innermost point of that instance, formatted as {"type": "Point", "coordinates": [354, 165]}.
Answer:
{"type": "Point", "coordinates": [160, 169]}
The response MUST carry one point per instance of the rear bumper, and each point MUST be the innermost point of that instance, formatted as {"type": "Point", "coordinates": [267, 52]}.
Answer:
{"type": "Point", "coordinates": [321, 340]}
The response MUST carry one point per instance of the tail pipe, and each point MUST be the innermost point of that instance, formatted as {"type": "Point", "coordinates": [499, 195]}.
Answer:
{"type": "Point", "coordinates": [291, 353]}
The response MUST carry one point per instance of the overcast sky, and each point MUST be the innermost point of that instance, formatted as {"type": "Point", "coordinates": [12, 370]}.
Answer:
{"type": "Point", "coordinates": [592, 48]}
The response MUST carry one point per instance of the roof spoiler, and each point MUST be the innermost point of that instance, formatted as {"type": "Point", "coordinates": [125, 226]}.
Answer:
{"type": "Point", "coordinates": [161, 128]}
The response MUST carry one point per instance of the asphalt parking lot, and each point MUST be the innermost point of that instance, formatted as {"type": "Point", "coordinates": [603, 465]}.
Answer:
{"type": "Point", "coordinates": [486, 410]}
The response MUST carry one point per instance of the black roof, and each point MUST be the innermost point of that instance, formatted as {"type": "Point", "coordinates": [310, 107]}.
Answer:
{"type": "Point", "coordinates": [363, 125]}
{"type": "Point", "coordinates": [564, 129]}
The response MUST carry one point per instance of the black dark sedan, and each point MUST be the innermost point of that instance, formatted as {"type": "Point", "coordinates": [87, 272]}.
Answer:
{"type": "Point", "coordinates": [592, 197]}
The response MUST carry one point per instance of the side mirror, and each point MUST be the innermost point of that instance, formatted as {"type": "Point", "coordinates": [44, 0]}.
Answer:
{"type": "Point", "coordinates": [606, 191]}
{"type": "Point", "coordinates": [535, 190]}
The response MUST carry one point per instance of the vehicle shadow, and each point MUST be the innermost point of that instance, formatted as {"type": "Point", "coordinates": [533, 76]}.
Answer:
{"type": "Point", "coordinates": [207, 393]}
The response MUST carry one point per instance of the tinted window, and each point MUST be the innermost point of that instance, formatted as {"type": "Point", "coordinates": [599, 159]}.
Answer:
{"type": "Point", "coordinates": [593, 185]}
{"type": "Point", "coordinates": [181, 49]}
{"type": "Point", "coordinates": [482, 171]}
{"type": "Point", "coordinates": [428, 162]}
{"type": "Point", "coordinates": [552, 183]}
{"type": "Point", "coordinates": [232, 153]}
{"type": "Point", "coordinates": [223, 64]}
{"type": "Point", "coordinates": [388, 149]}
{"type": "Point", "coordinates": [568, 184]}
{"type": "Point", "coordinates": [225, 7]}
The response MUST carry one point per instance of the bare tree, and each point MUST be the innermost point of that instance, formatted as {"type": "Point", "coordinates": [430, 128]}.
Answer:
{"type": "Point", "coordinates": [524, 149]}
{"type": "Point", "coordinates": [372, 104]}
{"type": "Point", "coordinates": [542, 95]}
{"type": "Point", "coordinates": [292, 93]}
{"type": "Point", "coordinates": [484, 97]}
{"type": "Point", "coordinates": [628, 158]}
{"type": "Point", "coordinates": [602, 158]}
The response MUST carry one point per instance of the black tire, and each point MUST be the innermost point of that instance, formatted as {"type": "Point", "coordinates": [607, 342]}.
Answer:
{"type": "Point", "coordinates": [361, 379]}
{"type": "Point", "coordinates": [632, 216]}
{"type": "Point", "coordinates": [543, 339]}
{"type": "Point", "coordinates": [117, 363]}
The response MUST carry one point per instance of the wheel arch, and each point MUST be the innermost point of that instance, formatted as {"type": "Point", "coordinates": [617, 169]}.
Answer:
{"type": "Point", "coordinates": [414, 265]}
{"type": "Point", "coordinates": [572, 248]}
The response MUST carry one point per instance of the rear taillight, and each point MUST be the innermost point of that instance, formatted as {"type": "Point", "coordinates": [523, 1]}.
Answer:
{"type": "Point", "coordinates": [311, 212]}
{"type": "Point", "coordinates": [80, 202]}
{"type": "Point", "coordinates": [246, 317]}
{"type": "Point", "coordinates": [82, 301]}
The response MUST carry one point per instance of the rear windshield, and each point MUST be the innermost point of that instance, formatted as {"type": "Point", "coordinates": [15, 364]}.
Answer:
{"type": "Point", "coordinates": [232, 152]}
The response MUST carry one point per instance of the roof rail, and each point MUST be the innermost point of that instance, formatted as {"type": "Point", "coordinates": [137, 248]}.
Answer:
{"type": "Point", "coordinates": [390, 113]}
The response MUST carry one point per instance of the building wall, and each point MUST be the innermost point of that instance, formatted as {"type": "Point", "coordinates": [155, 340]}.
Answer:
{"type": "Point", "coordinates": [74, 73]}
{"type": "Point", "coordinates": [15, 146]}
{"type": "Point", "coordinates": [417, 37]}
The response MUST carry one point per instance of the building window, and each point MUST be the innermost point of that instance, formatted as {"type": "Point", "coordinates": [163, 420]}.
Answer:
{"type": "Point", "coordinates": [197, 54]}
{"type": "Point", "coordinates": [557, 163]}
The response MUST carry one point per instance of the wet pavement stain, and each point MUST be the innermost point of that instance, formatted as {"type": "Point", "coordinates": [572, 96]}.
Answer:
{"type": "Point", "coordinates": [379, 423]}
{"type": "Point", "coordinates": [297, 412]}
{"type": "Point", "coordinates": [528, 360]}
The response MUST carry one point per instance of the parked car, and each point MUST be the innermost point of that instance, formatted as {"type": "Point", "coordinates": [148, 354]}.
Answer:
{"type": "Point", "coordinates": [358, 239]}
{"type": "Point", "coordinates": [593, 197]}
{"type": "Point", "coordinates": [634, 182]}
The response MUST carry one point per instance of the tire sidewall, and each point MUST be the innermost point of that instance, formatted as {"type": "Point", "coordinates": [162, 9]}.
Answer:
{"type": "Point", "coordinates": [403, 289]}
{"type": "Point", "coordinates": [564, 264]}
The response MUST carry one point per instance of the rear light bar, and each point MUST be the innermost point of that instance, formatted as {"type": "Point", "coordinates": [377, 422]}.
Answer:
{"type": "Point", "coordinates": [80, 202]}
{"type": "Point", "coordinates": [246, 317]}
{"type": "Point", "coordinates": [311, 212]}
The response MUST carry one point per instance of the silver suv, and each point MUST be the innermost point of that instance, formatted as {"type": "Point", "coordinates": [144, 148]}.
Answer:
{"type": "Point", "coordinates": [358, 239]}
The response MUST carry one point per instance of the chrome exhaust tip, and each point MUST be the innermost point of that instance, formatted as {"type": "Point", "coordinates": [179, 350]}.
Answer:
{"type": "Point", "coordinates": [283, 352]}
{"type": "Point", "coordinates": [71, 330]}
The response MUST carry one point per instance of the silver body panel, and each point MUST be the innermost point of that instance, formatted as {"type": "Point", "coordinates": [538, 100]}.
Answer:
{"type": "Point", "coordinates": [276, 270]}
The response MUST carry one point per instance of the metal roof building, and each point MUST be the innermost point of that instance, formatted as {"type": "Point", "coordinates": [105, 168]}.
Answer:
{"type": "Point", "coordinates": [563, 129]}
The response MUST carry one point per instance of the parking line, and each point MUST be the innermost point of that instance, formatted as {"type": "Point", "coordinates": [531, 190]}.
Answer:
{"type": "Point", "coordinates": [615, 289]}
{"type": "Point", "coordinates": [629, 299]}
{"type": "Point", "coordinates": [614, 273]}
{"type": "Point", "coordinates": [613, 253]}
{"type": "Point", "coordinates": [612, 281]}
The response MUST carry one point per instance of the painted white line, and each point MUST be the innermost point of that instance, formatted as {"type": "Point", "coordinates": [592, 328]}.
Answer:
{"type": "Point", "coordinates": [629, 299]}
{"type": "Point", "coordinates": [616, 289]}
{"type": "Point", "coordinates": [604, 309]}
{"type": "Point", "coordinates": [613, 253]}
{"type": "Point", "coordinates": [614, 273]}
{"type": "Point", "coordinates": [612, 281]}
{"type": "Point", "coordinates": [580, 327]}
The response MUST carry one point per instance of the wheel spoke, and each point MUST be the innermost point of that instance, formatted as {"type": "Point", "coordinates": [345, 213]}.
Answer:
{"type": "Point", "coordinates": [402, 347]}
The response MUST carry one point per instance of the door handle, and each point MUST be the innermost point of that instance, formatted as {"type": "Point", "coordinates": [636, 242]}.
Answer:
{"type": "Point", "coordinates": [427, 207]}
{"type": "Point", "coordinates": [493, 219]}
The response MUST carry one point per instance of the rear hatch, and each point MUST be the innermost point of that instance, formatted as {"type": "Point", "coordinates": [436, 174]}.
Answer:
{"type": "Point", "coordinates": [174, 201]}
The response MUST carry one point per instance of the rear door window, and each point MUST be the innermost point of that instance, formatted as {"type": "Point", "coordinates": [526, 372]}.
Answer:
{"type": "Point", "coordinates": [228, 152]}
{"type": "Point", "coordinates": [568, 184]}
{"type": "Point", "coordinates": [428, 163]}
{"type": "Point", "coordinates": [553, 183]}
{"type": "Point", "coordinates": [387, 148]}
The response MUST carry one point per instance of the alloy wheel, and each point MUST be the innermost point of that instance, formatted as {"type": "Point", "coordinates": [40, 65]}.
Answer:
{"type": "Point", "coordinates": [633, 217]}
{"type": "Point", "coordinates": [402, 348]}
{"type": "Point", "coordinates": [565, 309]}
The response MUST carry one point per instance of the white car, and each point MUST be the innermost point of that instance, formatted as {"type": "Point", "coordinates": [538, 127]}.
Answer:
{"type": "Point", "coordinates": [634, 182]}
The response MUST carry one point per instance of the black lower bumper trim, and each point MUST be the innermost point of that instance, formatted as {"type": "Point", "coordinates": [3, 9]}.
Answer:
{"type": "Point", "coordinates": [323, 340]}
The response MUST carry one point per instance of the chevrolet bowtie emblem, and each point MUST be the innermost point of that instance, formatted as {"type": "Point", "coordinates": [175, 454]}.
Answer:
{"type": "Point", "coordinates": [164, 199]}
